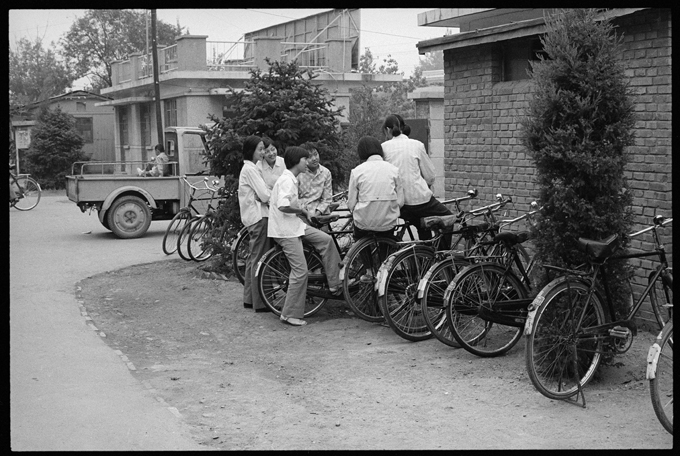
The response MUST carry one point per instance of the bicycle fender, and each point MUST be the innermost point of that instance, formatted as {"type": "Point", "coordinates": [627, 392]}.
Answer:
{"type": "Point", "coordinates": [652, 360]}
{"type": "Point", "coordinates": [540, 298]}
{"type": "Point", "coordinates": [111, 197]}
{"type": "Point", "coordinates": [454, 282]}
{"type": "Point", "coordinates": [381, 277]}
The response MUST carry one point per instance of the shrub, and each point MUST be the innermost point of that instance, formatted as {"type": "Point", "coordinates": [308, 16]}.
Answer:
{"type": "Point", "coordinates": [577, 128]}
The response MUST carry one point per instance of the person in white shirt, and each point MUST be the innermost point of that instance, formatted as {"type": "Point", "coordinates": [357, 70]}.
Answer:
{"type": "Point", "coordinates": [253, 196]}
{"type": "Point", "coordinates": [374, 194]}
{"type": "Point", "coordinates": [417, 173]}
{"type": "Point", "coordinates": [288, 230]}
{"type": "Point", "coordinates": [272, 166]}
{"type": "Point", "coordinates": [315, 184]}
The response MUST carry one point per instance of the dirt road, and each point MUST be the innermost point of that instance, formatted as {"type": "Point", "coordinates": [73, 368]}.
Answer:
{"type": "Point", "coordinates": [244, 381]}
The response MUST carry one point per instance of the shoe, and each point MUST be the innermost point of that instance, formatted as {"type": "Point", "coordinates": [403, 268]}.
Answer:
{"type": "Point", "coordinates": [336, 291]}
{"type": "Point", "coordinates": [293, 321]}
{"type": "Point", "coordinates": [264, 309]}
{"type": "Point", "coordinates": [247, 306]}
{"type": "Point", "coordinates": [367, 278]}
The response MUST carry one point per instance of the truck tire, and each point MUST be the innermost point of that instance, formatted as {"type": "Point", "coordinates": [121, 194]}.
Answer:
{"type": "Point", "coordinates": [129, 217]}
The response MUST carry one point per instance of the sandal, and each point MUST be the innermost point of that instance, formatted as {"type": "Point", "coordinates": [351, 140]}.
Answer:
{"type": "Point", "coordinates": [293, 321]}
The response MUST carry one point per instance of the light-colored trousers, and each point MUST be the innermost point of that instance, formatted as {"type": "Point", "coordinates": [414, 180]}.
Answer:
{"type": "Point", "coordinates": [259, 244]}
{"type": "Point", "coordinates": [294, 305]}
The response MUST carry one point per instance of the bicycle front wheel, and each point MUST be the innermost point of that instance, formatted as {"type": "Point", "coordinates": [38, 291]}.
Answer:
{"type": "Point", "coordinates": [28, 192]}
{"type": "Point", "coordinates": [560, 355]}
{"type": "Point", "coordinates": [198, 247]}
{"type": "Point", "coordinates": [173, 230]}
{"type": "Point", "coordinates": [360, 272]}
{"type": "Point", "coordinates": [272, 275]}
{"type": "Point", "coordinates": [661, 381]}
{"type": "Point", "coordinates": [433, 286]}
{"type": "Point", "coordinates": [399, 303]}
{"type": "Point", "coordinates": [240, 251]}
{"type": "Point", "coordinates": [487, 309]}
{"type": "Point", "coordinates": [183, 239]}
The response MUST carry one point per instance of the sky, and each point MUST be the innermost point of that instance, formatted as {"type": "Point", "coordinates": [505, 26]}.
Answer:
{"type": "Point", "coordinates": [386, 31]}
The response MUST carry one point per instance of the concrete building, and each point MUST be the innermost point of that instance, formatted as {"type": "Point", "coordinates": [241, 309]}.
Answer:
{"type": "Point", "coordinates": [487, 89]}
{"type": "Point", "coordinates": [196, 74]}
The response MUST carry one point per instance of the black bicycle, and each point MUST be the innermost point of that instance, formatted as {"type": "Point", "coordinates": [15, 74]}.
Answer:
{"type": "Point", "coordinates": [27, 191]}
{"type": "Point", "coordinates": [571, 324]}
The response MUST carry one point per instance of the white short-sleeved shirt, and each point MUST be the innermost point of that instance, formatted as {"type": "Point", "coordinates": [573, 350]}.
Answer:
{"type": "Point", "coordinates": [284, 193]}
{"type": "Point", "coordinates": [271, 173]}
{"type": "Point", "coordinates": [375, 195]}
{"type": "Point", "coordinates": [416, 170]}
{"type": "Point", "coordinates": [251, 187]}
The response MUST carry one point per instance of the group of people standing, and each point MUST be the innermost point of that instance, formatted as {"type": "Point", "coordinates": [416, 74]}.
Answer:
{"type": "Point", "coordinates": [278, 196]}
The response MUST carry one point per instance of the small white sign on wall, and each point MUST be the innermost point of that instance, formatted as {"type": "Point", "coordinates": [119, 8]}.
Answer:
{"type": "Point", "coordinates": [23, 138]}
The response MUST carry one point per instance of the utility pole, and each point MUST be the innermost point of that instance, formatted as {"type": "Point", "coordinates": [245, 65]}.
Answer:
{"type": "Point", "coordinates": [156, 84]}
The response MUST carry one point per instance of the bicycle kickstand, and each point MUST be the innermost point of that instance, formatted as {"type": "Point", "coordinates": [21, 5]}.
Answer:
{"type": "Point", "coordinates": [569, 400]}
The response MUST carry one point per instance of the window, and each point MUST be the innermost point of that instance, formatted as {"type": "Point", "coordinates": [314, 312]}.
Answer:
{"type": "Point", "coordinates": [80, 106]}
{"type": "Point", "coordinates": [145, 124]}
{"type": "Point", "coordinates": [123, 124]}
{"type": "Point", "coordinates": [516, 57]}
{"type": "Point", "coordinates": [170, 112]}
{"type": "Point", "coordinates": [84, 127]}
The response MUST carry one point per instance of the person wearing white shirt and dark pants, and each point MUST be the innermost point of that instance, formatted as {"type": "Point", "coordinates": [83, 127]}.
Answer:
{"type": "Point", "coordinates": [253, 196]}
{"type": "Point", "coordinates": [417, 173]}
{"type": "Point", "coordinates": [374, 194]}
{"type": "Point", "coordinates": [272, 165]}
{"type": "Point", "coordinates": [288, 230]}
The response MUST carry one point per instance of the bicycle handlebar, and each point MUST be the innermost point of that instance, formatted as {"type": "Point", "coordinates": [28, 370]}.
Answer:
{"type": "Point", "coordinates": [659, 221]}
{"type": "Point", "coordinates": [205, 182]}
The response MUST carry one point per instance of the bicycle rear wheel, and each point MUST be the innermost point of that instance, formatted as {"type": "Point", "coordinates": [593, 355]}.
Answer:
{"type": "Point", "coordinates": [272, 275]}
{"type": "Point", "coordinates": [399, 302]}
{"type": "Point", "coordinates": [173, 231]}
{"type": "Point", "coordinates": [198, 247]}
{"type": "Point", "coordinates": [240, 251]}
{"type": "Point", "coordinates": [661, 381]}
{"type": "Point", "coordinates": [661, 297]}
{"type": "Point", "coordinates": [360, 272]}
{"type": "Point", "coordinates": [559, 353]}
{"type": "Point", "coordinates": [485, 309]}
{"type": "Point", "coordinates": [433, 286]}
{"type": "Point", "coordinates": [28, 191]}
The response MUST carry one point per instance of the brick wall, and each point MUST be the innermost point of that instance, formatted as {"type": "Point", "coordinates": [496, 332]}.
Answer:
{"type": "Point", "coordinates": [481, 126]}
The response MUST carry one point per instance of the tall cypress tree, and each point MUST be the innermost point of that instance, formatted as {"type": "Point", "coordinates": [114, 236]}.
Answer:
{"type": "Point", "coordinates": [577, 128]}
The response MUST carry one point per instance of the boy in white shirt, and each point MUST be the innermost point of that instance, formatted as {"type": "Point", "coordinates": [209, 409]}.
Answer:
{"type": "Point", "coordinates": [288, 230]}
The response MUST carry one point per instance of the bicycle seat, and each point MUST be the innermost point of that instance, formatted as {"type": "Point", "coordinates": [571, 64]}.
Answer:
{"type": "Point", "coordinates": [511, 239]}
{"type": "Point", "coordinates": [599, 249]}
{"type": "Point", "coordinates": [324, 219]}
{"type": "Point", "coordinates": [439, 221]}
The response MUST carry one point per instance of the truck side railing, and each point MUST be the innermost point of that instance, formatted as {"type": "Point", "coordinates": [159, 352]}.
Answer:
{"type": "Point", "coordinates": [126, 168]}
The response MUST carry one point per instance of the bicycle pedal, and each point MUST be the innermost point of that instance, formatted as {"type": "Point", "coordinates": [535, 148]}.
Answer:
{"type": "Point", "coordinates": [620, 332]}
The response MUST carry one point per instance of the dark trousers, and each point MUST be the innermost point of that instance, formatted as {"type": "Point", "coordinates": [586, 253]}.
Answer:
{"type": "Point", "coordinates": [359, 233]}
{"type": "Point", "coordinates": [413, 214]}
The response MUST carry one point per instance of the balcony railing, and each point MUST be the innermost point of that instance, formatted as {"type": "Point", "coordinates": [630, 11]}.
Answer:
{"type": "Point", "coordinates": [308, 55]}
{"type": "Point", "coordinates": [230, 55]}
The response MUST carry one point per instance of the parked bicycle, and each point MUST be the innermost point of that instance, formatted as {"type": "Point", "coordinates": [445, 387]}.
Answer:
{"type": "Point", "coordinates": [399, 276]}
{"type": "Point", "coordinates": [486, 302]}
{"type": "Point", "coordinates": [660, 375]}
{"type": "Point", "coordinates": [571, 325]}
{"type": "Point", "coordinates": [27, 191]}
{"type": "Point", "coordinates": [185, 214]}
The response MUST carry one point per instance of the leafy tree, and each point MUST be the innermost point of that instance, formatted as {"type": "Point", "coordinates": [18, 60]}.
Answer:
{"type": "Point", "coordinates": [283, 104]}
{"type": "Point", "coordinates": [103, 36]}
{"type": "Point", "coordinates": [35, 74]}
{"type": "Point", "coordinates": [55, 146]}
{"type": "Point", "coordinates": [577, 127]}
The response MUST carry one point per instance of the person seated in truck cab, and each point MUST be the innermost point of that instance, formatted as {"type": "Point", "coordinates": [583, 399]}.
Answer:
{"type": "Point", "coordinates": [157, 166]}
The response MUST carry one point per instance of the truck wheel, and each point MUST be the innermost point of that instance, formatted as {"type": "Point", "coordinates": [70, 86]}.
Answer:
{"type": "Point", "coordinates": [129, 217]}
{"type": "Point", "coordinates": [105, 222]}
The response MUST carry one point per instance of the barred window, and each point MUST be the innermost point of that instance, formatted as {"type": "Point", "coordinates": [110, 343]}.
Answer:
{"type": "Point", "coordinates": [84, 127]}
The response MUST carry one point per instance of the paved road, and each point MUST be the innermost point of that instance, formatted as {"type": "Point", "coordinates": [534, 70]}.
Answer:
{"type": "Point", "coordinates": [68, 389]}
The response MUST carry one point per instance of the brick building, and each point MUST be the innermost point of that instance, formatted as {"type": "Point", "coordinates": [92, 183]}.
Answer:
{"type": "Point", "coordinates": [487, 89]}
